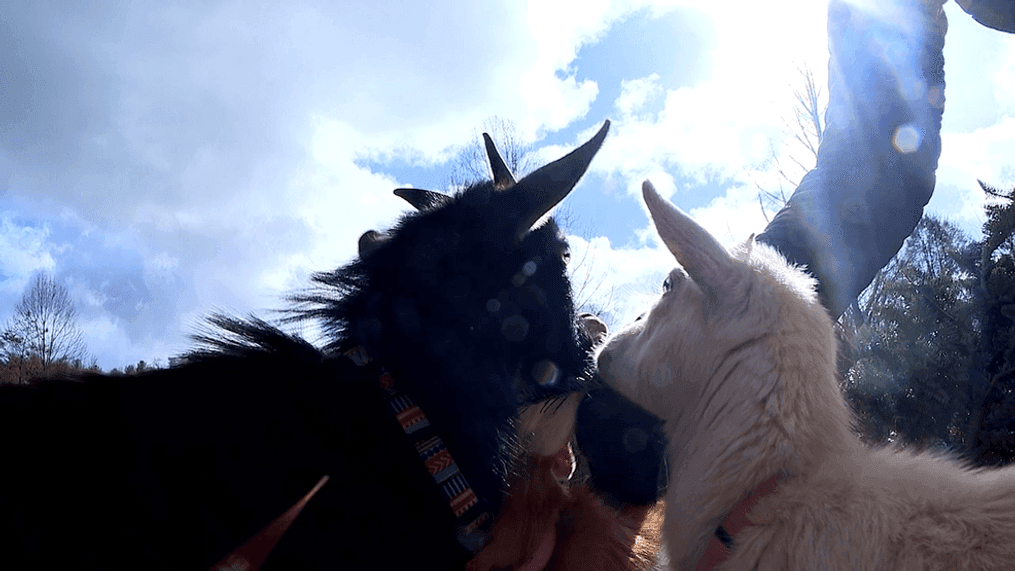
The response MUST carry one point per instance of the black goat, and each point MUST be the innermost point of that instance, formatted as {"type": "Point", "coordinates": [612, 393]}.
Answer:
{"type": "Point", "coordinates": [465, 305]}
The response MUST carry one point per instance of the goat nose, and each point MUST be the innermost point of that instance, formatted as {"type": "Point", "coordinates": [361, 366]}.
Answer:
{"type": "Point", "coordinates": [594, 326]}
{"type": "Point", "coordinates": [640, 317]}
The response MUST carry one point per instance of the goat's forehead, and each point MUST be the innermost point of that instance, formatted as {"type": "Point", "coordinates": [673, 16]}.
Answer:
{"type": "Point", "coordinates": [771, 267]}
{"type": "Point", "coordinates": [545, 239]}
{"type": "Point", "coordinates": [547, 227]}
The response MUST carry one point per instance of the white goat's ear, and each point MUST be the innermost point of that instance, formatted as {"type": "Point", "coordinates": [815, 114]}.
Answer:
{"type": "Point", "coordinates": [702, 257]}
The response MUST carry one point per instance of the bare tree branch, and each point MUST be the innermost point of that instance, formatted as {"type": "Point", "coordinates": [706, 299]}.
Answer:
{"type": "Point", "coordinates": [44, 327]}
{"type": "Point", "coordinates": [471, 164]}
{"type": "Point", "coordinates": [806, 129]}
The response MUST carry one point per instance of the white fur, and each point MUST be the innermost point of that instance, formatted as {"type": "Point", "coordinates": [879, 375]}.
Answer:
{"type": "Point", "coordinates": [738, 358]}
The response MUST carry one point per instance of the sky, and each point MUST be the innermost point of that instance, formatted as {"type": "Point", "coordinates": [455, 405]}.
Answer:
{"type": "Point", "coordinates": [167, 160]}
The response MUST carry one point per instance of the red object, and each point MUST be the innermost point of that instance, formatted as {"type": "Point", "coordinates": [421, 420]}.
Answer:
{"type": "Point", "coordinates": [717, 552]}
{"type": "Point", "coordinates": [251, 555]}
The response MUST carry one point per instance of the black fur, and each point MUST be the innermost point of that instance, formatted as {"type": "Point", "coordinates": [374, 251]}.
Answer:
{"type": "Point", "coordinates": [173, 469]}
{"type": "Point", "coordinates": [624, 446]}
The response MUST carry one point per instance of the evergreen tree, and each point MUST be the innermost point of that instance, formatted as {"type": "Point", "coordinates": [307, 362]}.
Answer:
{"type": "Point", "coordinates": [994, 441]}
{"type": "Point", "coordinates": [916, 336]}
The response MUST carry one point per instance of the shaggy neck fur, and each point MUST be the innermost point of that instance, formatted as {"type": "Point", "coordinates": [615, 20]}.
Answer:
{"type": "Point", "coordinates": [464, 311]}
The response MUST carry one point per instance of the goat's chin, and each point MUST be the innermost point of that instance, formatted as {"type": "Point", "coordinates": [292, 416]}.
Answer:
{"type": "Point", "coordinates": [546, 426]}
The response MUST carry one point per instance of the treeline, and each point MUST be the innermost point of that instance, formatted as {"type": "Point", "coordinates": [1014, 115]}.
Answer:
{"type": "Point", "coordinates": [17, 370]}
{"type": "Point", "coordinates": [928, 351]}
{"type": "Point", "coordinates": [42, 338]}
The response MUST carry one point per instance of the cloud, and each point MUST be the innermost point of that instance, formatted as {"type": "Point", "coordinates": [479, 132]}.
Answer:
{"type": "Point", "coordinates": [981, 154]}
{"type": "Point", "coordinates": [166, 159]}
{"type": "Point", "coordinates": [617, 284]}
{"type": "Point", "coordinates": [1004, 81]}
{"type": "Point", "coordinates": [636, 93]}
{"type": "Point", "coordinates": [210, 156]}
{"type": "Point", "coordinates": [730, 122]}
{"type": "Point", "coordinates": [24, 250]}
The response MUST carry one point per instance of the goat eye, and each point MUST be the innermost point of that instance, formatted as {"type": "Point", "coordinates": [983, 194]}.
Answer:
{"type": "Point", "coordinates": [667, 284]}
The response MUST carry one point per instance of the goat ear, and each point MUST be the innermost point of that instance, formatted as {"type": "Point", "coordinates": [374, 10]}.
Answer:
{"type": "Point", "coordinates": [421, 199]}
{"type": "Point", "coordinates": [369, 242]}
{"type": "Point", "coordinates": [704, 259]}
{"type": "Point", "coordinates": [540, 191]}
{"type": "Point", "coordinates": [502, 177]}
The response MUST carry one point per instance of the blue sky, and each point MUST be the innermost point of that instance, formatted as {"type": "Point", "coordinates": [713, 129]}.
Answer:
{"type": "Point", "coordinates": [166, 160]}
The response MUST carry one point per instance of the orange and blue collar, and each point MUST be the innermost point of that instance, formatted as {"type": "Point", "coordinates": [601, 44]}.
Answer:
{"type": "Point", "coordinates": [472, 520]}
{"type": "Point", "coordinates": [471, 517]}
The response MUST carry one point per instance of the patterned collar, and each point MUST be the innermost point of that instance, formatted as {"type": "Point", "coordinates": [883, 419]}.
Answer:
{"type": "Point", "coordinates": [472, 519]}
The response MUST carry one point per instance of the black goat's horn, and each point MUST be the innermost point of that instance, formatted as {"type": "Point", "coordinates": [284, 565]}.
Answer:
{"type": "Point", "coordinates": [421, 199]}
{"type": "Point", "coordinates": [502, 177]}
{"type": "Point", "coordinates": [544, 188]}
{"type": "Point", "coordinates": [369, 242]}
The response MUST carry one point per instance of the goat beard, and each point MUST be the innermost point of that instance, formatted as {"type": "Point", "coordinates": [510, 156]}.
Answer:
{"type": "Point", "coordinates": [543, 524]}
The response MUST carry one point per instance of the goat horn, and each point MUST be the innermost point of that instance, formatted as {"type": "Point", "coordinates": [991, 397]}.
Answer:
{"type": "Point", "coordinates": [547, 186]}
{"type": "Point", "coordinates": [502, 177]}
{"type": "Point", "coordinates": [369, 242]}
{"type": "Point", "coordinates": [421, 199]}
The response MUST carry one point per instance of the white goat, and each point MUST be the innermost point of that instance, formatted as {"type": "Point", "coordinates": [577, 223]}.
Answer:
{"type": "Point", "coordinates": [738, 358]}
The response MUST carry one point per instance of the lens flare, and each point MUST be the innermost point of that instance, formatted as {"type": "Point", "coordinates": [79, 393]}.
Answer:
{"type": "Point", "coordinates": [906, 138]}
{"type": "Point", "coordinates": [546, 372]}
{"type": "Point", "coordinates": [515, 328]}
